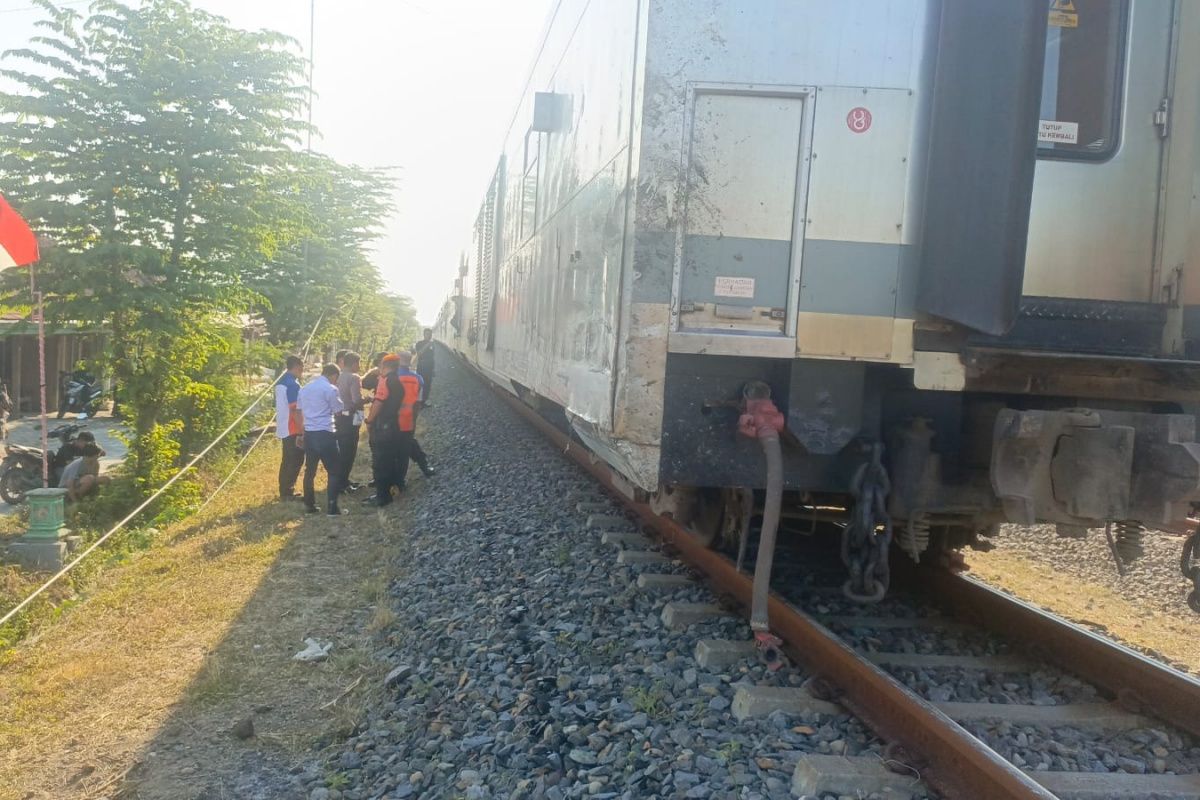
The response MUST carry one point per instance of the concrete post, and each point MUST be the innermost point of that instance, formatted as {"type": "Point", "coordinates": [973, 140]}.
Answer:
{"type": "Point", "coordinates": [44, 546]}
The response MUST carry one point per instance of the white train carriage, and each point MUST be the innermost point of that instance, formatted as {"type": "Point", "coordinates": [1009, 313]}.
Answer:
{"type": "Point", "coordinates": [960, 236]}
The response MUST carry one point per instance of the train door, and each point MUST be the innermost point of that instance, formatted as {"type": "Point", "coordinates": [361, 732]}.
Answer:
{"type": "Point", "coordinates": [1093, 222]}
{"type": "Point", "coordinates": [737, 258]}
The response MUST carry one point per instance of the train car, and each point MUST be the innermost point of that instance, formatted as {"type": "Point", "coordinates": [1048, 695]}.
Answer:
{"type": "Point", "coordinates": [937, 260]}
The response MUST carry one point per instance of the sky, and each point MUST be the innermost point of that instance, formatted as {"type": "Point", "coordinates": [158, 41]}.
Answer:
{"type": "Point", "coordinates": [427, 87]}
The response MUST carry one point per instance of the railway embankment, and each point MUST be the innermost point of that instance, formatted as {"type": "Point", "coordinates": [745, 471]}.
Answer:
{"type": "Point", "coordinates": [1145, 608]}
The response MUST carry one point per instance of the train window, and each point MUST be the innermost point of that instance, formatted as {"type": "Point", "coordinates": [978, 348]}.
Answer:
{"type": "Point", "coordinates": [1081, 87]}
{"type": "Point", "coordinates": [529, 184]}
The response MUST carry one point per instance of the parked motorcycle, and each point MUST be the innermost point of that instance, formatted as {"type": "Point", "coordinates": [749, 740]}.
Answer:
{"type": "Point", "coordinates": [79, 393]}
{"type": "Point", "coordinates": [21, 469]}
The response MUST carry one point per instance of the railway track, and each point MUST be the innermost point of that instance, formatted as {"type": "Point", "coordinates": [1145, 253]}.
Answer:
{"type": "Point", "coordinates": [1108, 733]}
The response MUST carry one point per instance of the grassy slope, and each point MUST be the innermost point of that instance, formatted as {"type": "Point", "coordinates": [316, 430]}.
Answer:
{"type": "Point", "coordinates": [138, 684]}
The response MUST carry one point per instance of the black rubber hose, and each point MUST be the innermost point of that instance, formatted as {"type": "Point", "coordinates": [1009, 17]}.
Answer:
{"type": "Point", "coordinates": [770, 528]}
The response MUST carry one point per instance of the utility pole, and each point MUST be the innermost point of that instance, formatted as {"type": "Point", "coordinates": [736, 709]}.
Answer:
{"type": "Point", "coordinates": [312, 40]}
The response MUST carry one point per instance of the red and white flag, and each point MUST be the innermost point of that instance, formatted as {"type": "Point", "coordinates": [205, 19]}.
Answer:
{"type": "Point", "coordinates": [18, 245]}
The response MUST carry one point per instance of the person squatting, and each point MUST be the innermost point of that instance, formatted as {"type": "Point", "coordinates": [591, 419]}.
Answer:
{"type": "Point", "coordinates": [319, 425]}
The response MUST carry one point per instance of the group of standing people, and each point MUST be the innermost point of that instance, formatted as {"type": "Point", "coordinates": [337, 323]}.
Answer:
{"type": "Point", "coordinates": [320, 423]}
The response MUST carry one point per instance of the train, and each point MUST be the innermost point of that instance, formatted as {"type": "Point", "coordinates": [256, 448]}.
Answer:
{"type": "Point", "coordinates": [913, 269]}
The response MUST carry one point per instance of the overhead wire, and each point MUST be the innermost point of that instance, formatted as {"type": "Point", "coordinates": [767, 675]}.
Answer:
{"type": "Point", "coordinates": [12, 612]}
{"type": "Point", "coordinates": [18, 9]}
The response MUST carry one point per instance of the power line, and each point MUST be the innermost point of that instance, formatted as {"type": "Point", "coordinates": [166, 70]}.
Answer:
{"type": "Point", "coordinates": [39, 8]}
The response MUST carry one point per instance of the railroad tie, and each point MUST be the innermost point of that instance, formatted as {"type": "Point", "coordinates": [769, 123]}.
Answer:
{"type": "Point", "coordinates": [678, 616]}
{"type": "Point", "coordinates": [719, 654]}
{"type": "Point", "coordinates": [761, 701]}
{"type": "Point", "coordinates": [854, 776]}
{"type": "Point", "coordinates": [632, 557]}
{"type": "Point", "coordinates": [895, 623]}
{"type": "Point", "coordinates": [1118, 785]}
{"type": "Point", "coordinates": [924, 661]}
{"type": "Point", "coordinates": [1106, 716]}
{"type": "Point", "coordinates": [610, 522]}
{"type": "Point", "coordinates": [624, 539]}
{"type": "Point", "coordinates": [663, 582]}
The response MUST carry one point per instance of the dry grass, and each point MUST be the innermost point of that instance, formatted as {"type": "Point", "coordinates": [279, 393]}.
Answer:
{"type": "Point", "coordinates": [136, 686]}
{"type": "Point", "coordinates": [1172, 637]}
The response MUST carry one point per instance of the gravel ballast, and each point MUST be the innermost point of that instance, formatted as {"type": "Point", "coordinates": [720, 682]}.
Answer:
{"type": "Point", "coordinates": [526, 663]}
{"type": "Point", "coordinates": [1154, 580]}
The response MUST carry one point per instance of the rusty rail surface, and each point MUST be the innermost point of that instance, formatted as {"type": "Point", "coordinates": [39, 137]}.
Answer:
{"type": "Point", "coordinates": [948, 758]}
{"type": "Point", "coordinates": [1141, 684]}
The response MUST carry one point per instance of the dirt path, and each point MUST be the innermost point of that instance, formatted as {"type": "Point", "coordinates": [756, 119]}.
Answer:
{"type": "Point", "coordinates": [135, 692]}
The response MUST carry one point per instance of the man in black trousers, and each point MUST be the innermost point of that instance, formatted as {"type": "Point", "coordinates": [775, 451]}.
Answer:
{"type": "Point", "coordinates": [349, 420]}
{"type": "Point", "coordinates": [289, 425]}
{"type": "Point", "coordinates": [426, 366]}
{"type": "Point", "coordinates": [319, 403]}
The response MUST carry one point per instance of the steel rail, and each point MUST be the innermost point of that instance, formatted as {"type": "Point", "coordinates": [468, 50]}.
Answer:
{"type": "Point", "coordinates": [949, 759]}
{"type": "Point", "coordinates": [1141, 684]}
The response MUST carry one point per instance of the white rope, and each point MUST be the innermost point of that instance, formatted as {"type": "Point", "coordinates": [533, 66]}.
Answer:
{"type": "Point", "coordinates": [12, 612]}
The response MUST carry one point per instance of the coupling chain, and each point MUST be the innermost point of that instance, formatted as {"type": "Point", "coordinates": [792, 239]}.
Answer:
{"type": "Point", "coordinates": [866, 539]}
{"type": "Point", "coordinates": [1190, 569]}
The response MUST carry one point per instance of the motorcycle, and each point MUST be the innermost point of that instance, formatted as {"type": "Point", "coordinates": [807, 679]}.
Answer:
{"type": "Point", "coordinates": [21, 469]}
{"type": "Point", "coordinates": [79, 393]}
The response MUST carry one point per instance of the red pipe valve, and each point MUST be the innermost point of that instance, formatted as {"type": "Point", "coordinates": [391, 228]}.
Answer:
{"type": "Point", "coordinates": [759, 417]}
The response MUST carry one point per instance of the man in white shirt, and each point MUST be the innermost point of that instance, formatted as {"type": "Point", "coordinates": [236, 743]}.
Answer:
{"type": "Point", "coordinates": [289, 427]}
{"type": "Point", "coordinates": [319, 403]}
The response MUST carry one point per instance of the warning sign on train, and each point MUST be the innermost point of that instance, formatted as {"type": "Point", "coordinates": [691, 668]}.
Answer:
{"type": "Point", "coordinates": [1063, 14]}
{"type": "Point", "coordinates": [859, 120]}
{"type": "Point", "coordinates": [1052, 131]}
{"type": "Point", "coordinates": [734, 287]}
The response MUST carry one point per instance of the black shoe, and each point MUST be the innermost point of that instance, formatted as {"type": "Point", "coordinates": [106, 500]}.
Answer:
{"type": "Point", "coordinates": [353, 487]}
{"type": "Point", "coordinates": [333, 511]}
{"type": "Point", "coordinates": [311, 509]}
{"type": "Point", "coordinates": [287, 498]}
{"type": "Point", "coordinates": [428, 472]}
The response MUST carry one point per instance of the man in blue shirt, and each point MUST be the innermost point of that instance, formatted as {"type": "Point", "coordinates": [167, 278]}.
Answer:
{"type": "Point", "coordinates": [289, 426]}
{"type": "Point", "coordinates": [319, 403]}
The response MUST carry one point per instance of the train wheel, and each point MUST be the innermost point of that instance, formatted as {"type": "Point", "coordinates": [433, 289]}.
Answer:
{"type": "Point", "coordinates": [722, 517]}
{"type": "Point", "coordinates": [707, 520]}
{"type": "Point", "coordinates": [717, 517]}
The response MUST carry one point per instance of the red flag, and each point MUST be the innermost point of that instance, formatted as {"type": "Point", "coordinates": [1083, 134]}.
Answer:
{"type": "Point", "coordinates": [18, 245]}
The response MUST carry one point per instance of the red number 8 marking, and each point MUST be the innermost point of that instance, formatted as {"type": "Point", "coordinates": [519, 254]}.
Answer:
{"type": "Point", "coordinates": [859, 120]}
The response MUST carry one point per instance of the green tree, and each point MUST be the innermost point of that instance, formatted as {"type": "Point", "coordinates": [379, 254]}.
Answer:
{"type": "Point", "coordinates": [155, 145]}
{"type": "Point", "coordinates": [327, 272]}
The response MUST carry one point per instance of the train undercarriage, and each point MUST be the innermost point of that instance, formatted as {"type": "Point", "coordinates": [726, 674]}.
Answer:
{"type": "Point", "coordinates": [890, 468]}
